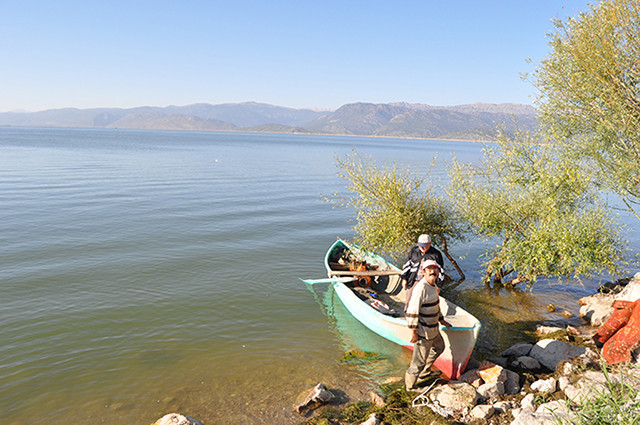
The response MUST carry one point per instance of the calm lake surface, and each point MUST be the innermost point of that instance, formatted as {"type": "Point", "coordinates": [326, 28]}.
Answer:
{"type": "Point", "coordinates": [147, 272]}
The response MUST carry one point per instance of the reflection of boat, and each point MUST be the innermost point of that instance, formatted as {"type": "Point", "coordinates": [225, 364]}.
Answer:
{"type": "Point", "coordinates": [378, 303]}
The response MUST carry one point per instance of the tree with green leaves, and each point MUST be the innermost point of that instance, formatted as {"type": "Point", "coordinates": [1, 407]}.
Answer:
{"type": "Point", "coordinates": [538, 208]}
{"type": "Point", "coordinates": [590, 93]}
{"type": "Point", "coordinates": [393, 206]}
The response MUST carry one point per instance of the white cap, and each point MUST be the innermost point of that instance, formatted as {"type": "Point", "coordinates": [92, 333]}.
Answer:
{"type": "Point", "coordinates": [424, 240]}
{"type": "Point", "coordinates": [429, 263]}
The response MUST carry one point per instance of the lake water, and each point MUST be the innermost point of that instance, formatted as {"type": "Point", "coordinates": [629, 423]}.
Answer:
{"type": "Point", "coordinates": [146, 272]}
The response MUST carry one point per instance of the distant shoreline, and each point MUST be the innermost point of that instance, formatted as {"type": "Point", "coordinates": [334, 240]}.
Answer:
{"type": "Point", "coordinates": [253, 132]}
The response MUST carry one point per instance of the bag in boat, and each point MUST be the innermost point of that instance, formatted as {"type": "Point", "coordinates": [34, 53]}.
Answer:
{"type": "Point", "coordinates": [618, 348]}
{"type": "Point", "coordinates": [619, 318]}
{"type": "Point", "coordinates": [380, 306]}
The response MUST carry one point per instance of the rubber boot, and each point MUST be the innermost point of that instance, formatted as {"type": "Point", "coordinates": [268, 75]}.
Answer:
{"type": "Point", "coordinates": [410, 382]}
{"type": "Point", "coordinates": [428, 373]}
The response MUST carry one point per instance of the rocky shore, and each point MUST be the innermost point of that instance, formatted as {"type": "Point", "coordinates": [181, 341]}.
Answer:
{"type": "Point", "coordinates": [543, 383]}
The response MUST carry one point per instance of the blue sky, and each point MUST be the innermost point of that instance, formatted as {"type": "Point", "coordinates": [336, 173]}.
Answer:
{"type": "Point", "coordinates": [298, 53]}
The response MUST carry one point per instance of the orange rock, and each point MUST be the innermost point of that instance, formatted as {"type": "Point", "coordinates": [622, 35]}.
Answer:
{"type": "Point", "coordinates": [490, 372]}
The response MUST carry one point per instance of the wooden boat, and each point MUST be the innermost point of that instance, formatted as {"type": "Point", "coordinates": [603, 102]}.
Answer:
{"type": "Point", "coordinates": [376, 298]}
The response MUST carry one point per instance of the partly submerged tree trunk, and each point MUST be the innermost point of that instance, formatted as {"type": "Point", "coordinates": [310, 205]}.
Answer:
{"type": "Point", "coordinates": [445, 250]}
{"type": "Point", "coordinates": [518, 279]}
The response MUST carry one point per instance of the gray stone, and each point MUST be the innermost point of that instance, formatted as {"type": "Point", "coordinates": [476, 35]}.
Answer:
{"type": "Point", "coordinates": [500, 361]}
{"type": "Point", "coordinates": [177, 419]}
{"type": "Point", "coordinates": [563, 382]}
{"type": "Point", "coordinates": [545, 385]}
{"type": "Point", "coordinates": [596, 309]}
{"type": "Point", "coordinates": [319, 395]}
{"type": "Point", "coordinates": [527, 403]}
{"type": "Point", "coordinates": [555, 406]}
{"type": "Point", "coordinates": [512, 383]}
{"type": "Point", "coordinates": [590, 358]}
{"type": "Point", "coordinates": [456, 395]}
{"type": "Point", "coordinates": [503, 406]}
{"type": "Point", "coordinates": [471, 377]}
{"type": "Point", "coordinates": [573, 330]}
{"type": "Point", "coordinates": [526, 362]}
{"type": "Point", "coordinates": [482, 412]}
{"type": "Point", "coordinates": [544, 330]}
{"type": "Point", "coordinates": [533, 418]}
{"type": "Point", "coordinates": [517, 350]}
{"type": "Point", "coordinates": [631, 292]}
{"type": "Point", "coordinates": [590, 384]}
{"type": "Point", "coordinates": [549, 352]}
{"type": "Point", "coordinates": [491, 390]}
{"type": "Point", "coordinates": [560, 409]}
{"type": "Point", "coordinates": [545, 414]}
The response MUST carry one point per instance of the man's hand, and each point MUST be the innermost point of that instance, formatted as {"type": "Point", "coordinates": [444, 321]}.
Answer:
{"type": "Point", "coordinates": [414, 337]}
{"type": "Point", "coordinates": [404, 283]}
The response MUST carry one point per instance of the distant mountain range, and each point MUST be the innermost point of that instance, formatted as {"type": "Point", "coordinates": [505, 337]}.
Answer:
{"type": "Point", "coordinates": [465, 122]}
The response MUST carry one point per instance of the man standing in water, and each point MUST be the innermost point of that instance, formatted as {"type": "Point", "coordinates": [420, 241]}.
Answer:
{"type": "Point", "coordinates": [423, 317]}
{"type": "Point", "coordinates": [410, 273]}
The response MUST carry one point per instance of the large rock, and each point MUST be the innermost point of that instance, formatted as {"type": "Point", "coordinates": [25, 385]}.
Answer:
{"type": "Point", "coordinates": [545, 385]}
{"type": "Point", "coordinates": [177, 419]}
{"type": "Point", "coordinates": [596, 309]}
{"type": "Point", "coordinates": [512, 383]}
{"type": "Point", "coordinates": [503, 406]}
{"type": "Point", "coordinates": [528, 402]}
{"type": "Point", "coordinates": [456, 396]}
{"type": "Point", "coordinates": [319, 395]}
{"type": "Point", "coordinates": [545, 414]}
{"type": "Point", "coordinates": [482, 412]}
{"type": "Point", "coordinates": [545, 330]}
{"type": "Point", "coordinates": [517, 350]}
{"type": "Point", "coordinates": [526, 362]}
{"type": "Point", "coordinates": [490, 372]}
{"type": "Point", "coordinates": [591, 383]}
{"type": "Point", "coordinates": [549, 352]}
{"type": "Point", "coordinates": [471, 377]}
{"type": "Point", "coordinates": [491, 390]}
{"type": "Point", "coordinates": [631, 292]}
{"type": "Point", "coordinates": [535, 418]}
{"type": "Point", "coordinates": [563, 383]}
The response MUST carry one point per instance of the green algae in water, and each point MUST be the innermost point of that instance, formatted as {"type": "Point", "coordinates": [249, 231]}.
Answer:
{"type": "Point", "coordinates": [358, 356]}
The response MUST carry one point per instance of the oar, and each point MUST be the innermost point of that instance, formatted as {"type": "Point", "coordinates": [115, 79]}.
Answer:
{"type": "Point", "coordinates": [365, 272]}
{"type": "Point", "coordinates": [328, 280]}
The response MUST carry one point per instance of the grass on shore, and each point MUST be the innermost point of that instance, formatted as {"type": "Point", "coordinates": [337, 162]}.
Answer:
{"type": "Point", "coordinates": [397, 411]}
{"type": "Point", "coordinates": [617, 404]}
